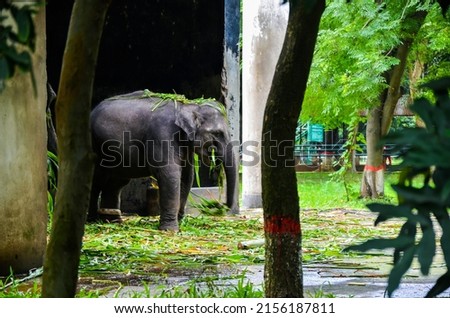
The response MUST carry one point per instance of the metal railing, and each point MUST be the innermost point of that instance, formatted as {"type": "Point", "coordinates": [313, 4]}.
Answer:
{"type": "Point", "coordinates": [312, 153]}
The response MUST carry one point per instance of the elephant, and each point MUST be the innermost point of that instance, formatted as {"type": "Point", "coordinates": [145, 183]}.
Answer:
{"type": "Point", "coordinates": [135, 135]}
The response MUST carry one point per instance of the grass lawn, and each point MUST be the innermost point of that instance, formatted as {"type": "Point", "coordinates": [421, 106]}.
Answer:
{"type": "Point", "coordinates": [322, 191]}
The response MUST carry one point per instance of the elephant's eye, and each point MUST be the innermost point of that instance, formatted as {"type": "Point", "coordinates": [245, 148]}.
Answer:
{"type": "Point", "coordinates": [218, 134]}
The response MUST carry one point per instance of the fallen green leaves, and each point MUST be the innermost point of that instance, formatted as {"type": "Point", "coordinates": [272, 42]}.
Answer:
{"type": "Point", "coordinates": [135, 253]}
{"type": "Point", "coordinates": [137, 246]}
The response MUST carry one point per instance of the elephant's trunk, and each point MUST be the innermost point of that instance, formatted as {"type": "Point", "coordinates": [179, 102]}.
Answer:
{"type": "Point", "coordinates": [232, 178]}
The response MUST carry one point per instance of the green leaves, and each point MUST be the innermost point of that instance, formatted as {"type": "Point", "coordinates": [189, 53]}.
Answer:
{"type": "Point", "coordinates": [350, 60]}
{"type": "Point", "coordinates": [24, 24]}
{"type": "Point", "coordinates": [423, 191]}
{"type": "Point", "coordinates": [210, 207]}
{"type": "Point", "coordinates": [17, 39]}
{"type": "Point", "coordinates": [353, 53]}
{"type": "Point", "coordinates": [442, 284]}
{"type": "Point", "coordinates": [426, 248]}
{"type": "Point", "coordinates": [400, 242]}
{"type": "Point", "coordinates": [400, 268]}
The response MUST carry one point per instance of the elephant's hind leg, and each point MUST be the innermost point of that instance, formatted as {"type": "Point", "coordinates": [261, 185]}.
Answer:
{"type": "Point", "coordinates": [97, 185]}
{"type": "Point", "coordinates": [110, 200]}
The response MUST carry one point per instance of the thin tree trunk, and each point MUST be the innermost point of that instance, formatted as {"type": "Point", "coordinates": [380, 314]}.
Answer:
{"type": "Point", "coordinates": [380, 118]}
{"type": "Point", "coordinates": [414, 76]}
{"type": "Point", "coordinates": [73, 107]}
{"type": "Point", "coordinates": [372, 184]}
{"type": "Point", "coordinates": [393, 93]}
{"type": "Point", "coordinates": [283, 272]}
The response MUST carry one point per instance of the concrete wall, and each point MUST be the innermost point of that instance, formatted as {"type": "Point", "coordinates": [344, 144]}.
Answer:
{"type": "Point", "coordinates": [264, 27]}
{"type": "Point", "coordinates": [23, 174]}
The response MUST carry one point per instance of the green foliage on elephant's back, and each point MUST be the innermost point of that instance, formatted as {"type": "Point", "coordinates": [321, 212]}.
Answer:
{"type": "Point", "coordinates": [161, 99]}
{"type": "Point", "coordinates": [183, 100]}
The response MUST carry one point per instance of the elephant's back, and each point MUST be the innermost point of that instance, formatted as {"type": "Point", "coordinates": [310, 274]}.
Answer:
{"type": "Point", "coordinates": [126, 112]}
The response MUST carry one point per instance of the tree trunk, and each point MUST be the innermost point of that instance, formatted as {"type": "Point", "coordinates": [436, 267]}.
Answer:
{"type": "Point", "coordinates": [283, 271]}
{"type": "Point", "coordinates": [23, 164]}
{"type": "Point", "coordinates": [393, 92]}
{"type": "Point", "coordinates": [379, 119]}
{"type": "Point", "coordinates": [372, 185]}
{"type": "Point", "coordinates": [73, 107]}
{"type": "Point", "coordinates": [414, 76]}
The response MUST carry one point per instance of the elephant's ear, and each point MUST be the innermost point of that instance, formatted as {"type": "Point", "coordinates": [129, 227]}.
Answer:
{"type": "Point", "coordinates": [189, 121]}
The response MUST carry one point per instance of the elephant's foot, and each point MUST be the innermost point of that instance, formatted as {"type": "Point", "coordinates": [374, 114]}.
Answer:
{"type": "Point", "coordinates": [169, 226]}
{"type": "Point", "coordinates": [233, 211]}
{"type": "Point", "coordinates": [110, 215]}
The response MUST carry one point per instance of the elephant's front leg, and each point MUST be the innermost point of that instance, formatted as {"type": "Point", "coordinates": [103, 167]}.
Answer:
{"type": "Point", "coordinates": [169, 197]}
{"type": "Point", "coordinates": [187, 177]}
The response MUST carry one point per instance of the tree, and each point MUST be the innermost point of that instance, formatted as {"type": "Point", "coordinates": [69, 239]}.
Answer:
{"type": "Point", "coordinates": [359, 66]}
{"type": "Point", "coordinates": [422, 193]}
{"type": "Point", "coordinates": [283, 274]}
{"type": "Point", "coordinates": [346, 75]}
{"type": "Point", "coordinates": [348, 67]}
{"type": "Point", "coordinates": [428, 59]}
{"type": "Point", "coordinates": [73, 107]}
{"type": "Point", "coordinates": [23, 199]}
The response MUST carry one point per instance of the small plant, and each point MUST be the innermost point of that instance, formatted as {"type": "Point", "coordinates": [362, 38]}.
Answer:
{"type": "Point", "coordinates": [211, 288]}
{"type": "Point", "coordinates": [52, 170]}
{"type": "Point", "coordinates": [423, 192]}
{"type": "Point", "coordinates": [211, 207]}
{"type": "Point", "coordinates": [11, 287]}
{"type": "Point", "coordinates": [319, 293]}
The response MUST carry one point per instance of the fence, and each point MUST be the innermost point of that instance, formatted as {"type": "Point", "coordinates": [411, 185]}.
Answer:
{"type": "Point", "coordinates": [328, 156]}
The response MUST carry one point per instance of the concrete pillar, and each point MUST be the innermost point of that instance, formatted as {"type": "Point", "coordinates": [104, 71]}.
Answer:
{"type": "Point", "coordinates": [264, 28]}
{"type": "Point", "coordinates": [23, 164]}
{"type": "Point", "coordinates": [231, 73]}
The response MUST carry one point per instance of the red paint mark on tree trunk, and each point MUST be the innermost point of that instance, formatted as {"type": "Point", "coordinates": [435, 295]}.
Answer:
{"type": "Point", "coordinates": [373, 168]}
{"type": "Point", "coordinates": [276, 224]}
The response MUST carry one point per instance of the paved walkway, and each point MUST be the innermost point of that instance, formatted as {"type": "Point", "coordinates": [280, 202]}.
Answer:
{"type": "Point", "coordinates": [325, 281]}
